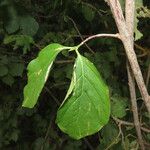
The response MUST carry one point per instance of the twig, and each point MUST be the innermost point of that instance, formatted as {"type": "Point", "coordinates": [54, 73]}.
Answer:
{"type": "Point", "coordinates": [130, 124]}
{"type": "Point", "coordinates": [145, 50]}
{"type": "Point", "coordinates": [98, 36]}
{"type": "Point", "coordinates": [129, 12]}
{"type": "Point", "coordinates": [51, 94]}
{"type": "Point", "coordinates": [75, 26]}
{"type": "Point", "coordinates": [126, 40]}
{"type": "Point", "coordinates": [47, 132]}
{"type": "Point", "coordinates": [64, 61]}
{"type": "Point", "coordinates": [58, 84]}
{"type": "Point", "coordinates": [88, 144]}
{"type": "Point", "coordinates": [145, 129]}
{"type": "Point", "coordinates": [99, 11]}
{"type": "Point", "coordinates": [114, 140]}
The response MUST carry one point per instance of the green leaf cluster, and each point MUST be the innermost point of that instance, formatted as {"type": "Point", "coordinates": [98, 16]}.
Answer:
{"type": "Point", "coordinates": [10, 67]}
{"type": "Point", "coordinates": [86, 108]}
{"type": "Point", "coordinates": [25, 28]}
{"type": "Point", "coordinates": [23, 41]}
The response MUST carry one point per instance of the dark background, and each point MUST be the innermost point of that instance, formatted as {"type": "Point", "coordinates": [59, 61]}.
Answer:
{"type": "Point", "coordinates": [26, 26]}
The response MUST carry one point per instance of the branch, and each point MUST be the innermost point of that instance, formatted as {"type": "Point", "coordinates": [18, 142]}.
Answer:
{"type": "Point", "coordinates": [134, 106]}
{"type": "Point", "coordinates": [76, 28]}
{"type": "Point", "coordinates": [122, 122]}
{"type": "Point", "coordinates": [128, 45]}
{"type": "Point", "coordinates": [64, 61]}
{"type": "Point", "coordinates": [99, 35]}
{"type": "Point", "coordinates": [129, 12]}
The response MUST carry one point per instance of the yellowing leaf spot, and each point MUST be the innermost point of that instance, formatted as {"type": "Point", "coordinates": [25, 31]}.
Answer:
{"type": "Point", "coordinates": [39, 72]}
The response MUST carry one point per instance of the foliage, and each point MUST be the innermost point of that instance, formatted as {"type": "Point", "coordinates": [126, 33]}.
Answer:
{"type": "Point", "coordinates": [26, 27]}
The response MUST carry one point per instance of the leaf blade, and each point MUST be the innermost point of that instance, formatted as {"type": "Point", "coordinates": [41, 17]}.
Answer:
{"type": "Point", "coordinates": [81, 114]}
{"type": "Point", "coordinates": [38, 70]}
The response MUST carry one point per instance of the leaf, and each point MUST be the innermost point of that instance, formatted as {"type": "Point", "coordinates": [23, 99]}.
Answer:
{"type": "Point", "coordinates": [144, 12]}
{"type": "Point", "coordinates": [8, 79]}
{"type": "Point", "coordinates": [16, 17]}
{"type": "Point", "coordinates": [3, 70]}
{"type": "Point", "coordinates": [14, 135]}
{"type": "Point", "coordinates": [88, 13]}
{"type": "Point", "coordinates": [20, 40]}
{"type": "Point", "coordinates": [139, 3]}
{"type": "Point", "coordinates": [138, 34]}
{"type": "Point", "coordinates": [29, 25]}
{"type": "Point", "coordinates": [4, 59]}
{"type": "Point", "coordinates": [118, 106]}
{"type": "Point", "coordinates": [38, 142]}
{"type": "Point", "coordinates": [12, 23]}
{"type": "Point", "coordinates": [109, 134]}
{"type": "Point", "coordinates": [122, 3]}
{"type": "Point", "coordinates": [86, 108]}
{"type": "Point", "coordinates": [148, 136]}
{"type": "Point", "coordinates": [16, 69]}
{"type": "Point", "coordinates": [38, 70]}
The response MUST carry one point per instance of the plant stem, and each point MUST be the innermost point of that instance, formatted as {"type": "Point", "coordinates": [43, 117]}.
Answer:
{"type": "Point", "coordinates": [134, 107]}
{"type": "Point", "coordinates": [76, 28]}
{"type": "Point", "coordinates": [130, 124]}
{"type": "Point", "coordinates": [98, 36]}
{"type": "Point", "coordinates": [126, 40]}
{"type": "Point", "coordinates": [129, 12]}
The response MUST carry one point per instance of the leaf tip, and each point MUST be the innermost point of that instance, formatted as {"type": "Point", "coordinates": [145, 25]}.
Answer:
{"type": "Point", "coordinates": [26, 104]}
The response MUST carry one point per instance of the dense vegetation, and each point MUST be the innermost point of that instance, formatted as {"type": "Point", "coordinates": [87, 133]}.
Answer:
{"type": "Point", "coordinates": [26, 27]}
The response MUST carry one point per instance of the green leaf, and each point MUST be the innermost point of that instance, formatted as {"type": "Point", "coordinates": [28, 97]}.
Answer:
{"type": "Point", "coordinates": [3, 59]}
{"type": "Point", "coordinates": [20, 40]}
{"type": "Point", "coordinates": [16, 18]}
{"type": "Point", "coordinates": [29, 25]}
{"type": "Point", "coordinates": [139, 3]}
{"type": "Point", "coordinates": [3, 70]}
{"type": "Point", "coordinates": [38, 70]}
{"type": "Point", "coordinates": [14, 135]}
{"type": "Point", "coordinates": [12, 23]}
{"type": "Point", "coordinates": [138, 34]}
{"type": "Point", "coordinates": [88, 13]}
{"type": "Point", "coordinates": [16, 69]}
{"type": "Point", "coordinates": [118, 106]}
{"type": "Point", "coordinates": [8, 79]}
{"type": "Point", "coordinates": [122, 2]}
{"type": "Point", "coordinates": [86, 108]}
{"type": "Point", "coordinates": [144, 12]}
{"type": "Point", "coordinates": [109, 134]}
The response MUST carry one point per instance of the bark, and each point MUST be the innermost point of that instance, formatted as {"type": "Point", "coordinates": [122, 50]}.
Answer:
{"type": "Point", "coordinates": [128, 45]}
